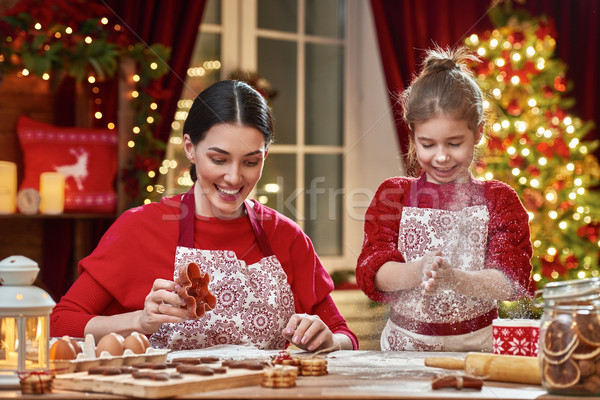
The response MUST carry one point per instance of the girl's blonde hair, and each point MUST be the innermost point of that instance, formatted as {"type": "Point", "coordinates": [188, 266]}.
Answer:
{"type": "Point", "coordinates": [444, 86]}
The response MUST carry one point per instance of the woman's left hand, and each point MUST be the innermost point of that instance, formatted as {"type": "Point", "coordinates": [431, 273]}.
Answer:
{"type": "Point", "coordinates": [308, 332]}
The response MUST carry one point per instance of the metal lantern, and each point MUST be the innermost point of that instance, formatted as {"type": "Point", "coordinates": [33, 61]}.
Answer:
{"type": "Point", "coordinates": [24, 321]}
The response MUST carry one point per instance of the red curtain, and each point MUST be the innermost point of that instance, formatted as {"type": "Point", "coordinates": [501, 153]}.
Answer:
{"type": "Point", "coordinates": [406, 27]}
{"type": "Point", "coordinates": [174, 24]}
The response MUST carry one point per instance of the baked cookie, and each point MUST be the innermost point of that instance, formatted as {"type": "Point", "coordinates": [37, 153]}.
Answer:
{"type": "Point", "coordinates": [280, 376]}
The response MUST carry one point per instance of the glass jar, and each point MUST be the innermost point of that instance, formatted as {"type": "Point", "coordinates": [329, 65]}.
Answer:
{"type": "Point", "coordinates": [569, 352]}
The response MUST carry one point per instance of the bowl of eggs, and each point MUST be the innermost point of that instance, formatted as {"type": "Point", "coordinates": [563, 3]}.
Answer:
{"type": "Point", "coordinates": [70, 355]}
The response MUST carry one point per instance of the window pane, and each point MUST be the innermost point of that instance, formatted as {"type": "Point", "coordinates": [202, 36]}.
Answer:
{"type": "Point", "coordinates": [325, 18]}
{"type": "Point", "coordinates": [277, 187]}
{"type": "Point", "coordinates": [279, 15]}
{"type": "Point", "coordinates": [323, 202]}
{"type": "Point", "coordinates": [277, 64]}
{"type": "Point", "coordinates": [212, 12]}
{"type": "Point", "coordinates": [205, 64]}
{"type": "Point", "coordinates": [324, 94]}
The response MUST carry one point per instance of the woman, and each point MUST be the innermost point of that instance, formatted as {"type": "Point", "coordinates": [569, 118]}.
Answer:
{"type": "Point", "coordinates": [271, 287]}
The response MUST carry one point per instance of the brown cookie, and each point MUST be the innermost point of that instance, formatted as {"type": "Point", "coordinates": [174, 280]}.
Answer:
{"type": "Point", "coordinates": [150, 365]}
{"type": "Point", "coordinates": [245, 364]}
{"type": "Point", "coordinates": [313, 366]}
{"type": "Point", "coordinates": [280, 376]}
{"type": "Point", "coordinates": [187, 360]}
{"type": "Point", "coordinates": [195, 369]}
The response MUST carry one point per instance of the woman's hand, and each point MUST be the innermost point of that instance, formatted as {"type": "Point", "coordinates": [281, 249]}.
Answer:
{"type": "Point", "coordinates": [162, 305]}
{"type": "Point", "coordinates": [308, 332]}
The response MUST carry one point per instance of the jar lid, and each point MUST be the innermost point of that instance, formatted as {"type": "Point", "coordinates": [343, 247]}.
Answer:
{"type": "Point", "coordinates": [575, 289]}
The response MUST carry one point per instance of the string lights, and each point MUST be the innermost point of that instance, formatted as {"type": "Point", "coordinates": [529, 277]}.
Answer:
{"type": "Point", "coordinates": [534, 145]}
{"type": "Point", "coordinates": [48, 41]}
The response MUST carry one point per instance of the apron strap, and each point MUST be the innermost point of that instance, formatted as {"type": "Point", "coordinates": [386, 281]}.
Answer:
{"type": "Point", "coordinates": [416, 190]}
{"type": "Point", "coordinates": [186, 224]}
{"type": "Point", "coordinates": [261, 236]}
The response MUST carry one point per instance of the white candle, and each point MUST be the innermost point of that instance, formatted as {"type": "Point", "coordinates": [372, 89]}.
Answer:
{"type": "Point", "coordinates": [52, 192]}
{"type": "Point", "coordinates": [13, 357]}
{"type": "Point", "coordinates": [8, 187]}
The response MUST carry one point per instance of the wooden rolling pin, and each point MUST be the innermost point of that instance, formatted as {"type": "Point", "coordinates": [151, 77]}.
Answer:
{"type": "Point", "coordinates": [493, 367]}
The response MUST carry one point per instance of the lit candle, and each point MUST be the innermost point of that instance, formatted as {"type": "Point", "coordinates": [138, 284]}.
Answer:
{"type": "Point", "coordinates": [13, 357]}
{"type": "Point", "coordinates": [52, 192]}
{"type": "Point", "coordinates": [8, 187]}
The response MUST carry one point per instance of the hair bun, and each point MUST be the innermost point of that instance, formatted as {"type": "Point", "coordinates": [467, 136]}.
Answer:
{"type": "Point", "coordinates": [439, 64]}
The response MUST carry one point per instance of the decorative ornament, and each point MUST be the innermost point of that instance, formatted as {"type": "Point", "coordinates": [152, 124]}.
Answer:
{"type": "Point", "coordinates": [28, 201]}
{"type": "Point", "coordinates": [532, 199]}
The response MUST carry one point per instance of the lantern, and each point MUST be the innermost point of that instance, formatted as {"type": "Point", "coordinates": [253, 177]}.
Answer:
{"type": "Point", "coordinates": [24, 321]}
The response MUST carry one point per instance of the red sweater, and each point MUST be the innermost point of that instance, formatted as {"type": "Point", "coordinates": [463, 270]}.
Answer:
{"type": "Point", "coordinates": [140, 247]}
{"type": "Point", "coordinates": [508, 244]}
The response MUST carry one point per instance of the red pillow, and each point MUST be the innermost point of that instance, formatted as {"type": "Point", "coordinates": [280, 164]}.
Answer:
{"type": "Point", "coordinates": [86, 157]}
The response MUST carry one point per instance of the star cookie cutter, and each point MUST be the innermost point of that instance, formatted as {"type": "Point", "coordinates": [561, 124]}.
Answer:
{"type": "Point", "coordinates": [194, 291]}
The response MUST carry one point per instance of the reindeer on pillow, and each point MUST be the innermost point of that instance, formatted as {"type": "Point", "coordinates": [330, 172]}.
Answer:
{"type": "Point", "coordinates": [78, 170]}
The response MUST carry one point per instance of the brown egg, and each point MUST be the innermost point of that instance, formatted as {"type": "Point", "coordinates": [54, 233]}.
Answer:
{"type": "Point", "coordinates": [62, 349]}
{"type": "Point", "coordinates": [134, 343]}
{"type": "Point", "coordinates": [75, 345]}
{"type": "Point", "coordinates": [143, 338]}
{"type": "Point", "coordinates": [112, 343]}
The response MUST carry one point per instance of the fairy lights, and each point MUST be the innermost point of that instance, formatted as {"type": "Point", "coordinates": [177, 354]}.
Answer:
{"type": "Point", "coordinates": [110, 42]}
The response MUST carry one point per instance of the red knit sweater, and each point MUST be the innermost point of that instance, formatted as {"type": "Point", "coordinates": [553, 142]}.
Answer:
{"type": "Point", "coordinates": [140, 247]}
{"type": "Point", "coordinates": [508, 243]}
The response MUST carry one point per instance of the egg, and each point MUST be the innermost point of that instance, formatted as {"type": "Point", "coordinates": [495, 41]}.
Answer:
{"type": "Point", "coordinates": [75, 345]}
{"type": "Point", "coordinates": [134, 343]}
{"type": "Point", "coordinates": [112, 343]}
{"type": "Point", "coordinates": [144, 340]}
{"type": "Point", "coordinates": [62, 349]}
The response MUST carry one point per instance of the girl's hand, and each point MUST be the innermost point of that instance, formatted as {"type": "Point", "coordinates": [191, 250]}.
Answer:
{"type": "Point", "coordinates": [440, 276]}
{"type": "Point", "coordinates": [429, 264]}
{"type": "Point", "coordinates": [308, 332]}
{"type": "Point", "coordinates": [162, 305]}
{"type": "Point", "coordinates": [435, 272]}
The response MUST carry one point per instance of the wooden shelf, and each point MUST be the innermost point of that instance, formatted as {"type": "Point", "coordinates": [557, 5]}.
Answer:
{"type": "Point", "coordinates": [59, 216]}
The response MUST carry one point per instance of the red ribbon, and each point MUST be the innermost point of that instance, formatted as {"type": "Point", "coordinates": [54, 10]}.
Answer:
{"type": "Point", "coordinates": [24, 375]}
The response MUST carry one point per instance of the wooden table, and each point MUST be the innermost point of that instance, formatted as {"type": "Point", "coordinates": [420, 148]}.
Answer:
{"type": "Point", "coordinates": [352, 375]}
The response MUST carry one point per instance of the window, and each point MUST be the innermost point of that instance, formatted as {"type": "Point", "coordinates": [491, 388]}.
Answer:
{"type": "Point", "coordinates": [306, 51]}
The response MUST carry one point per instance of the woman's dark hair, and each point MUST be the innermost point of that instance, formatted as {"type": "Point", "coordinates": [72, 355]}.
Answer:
{"type": "Point", "coordinates": [227, 102]}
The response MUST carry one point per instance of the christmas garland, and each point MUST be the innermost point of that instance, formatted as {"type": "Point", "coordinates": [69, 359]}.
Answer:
{"type": "Point", "coordinates": [77, 38]}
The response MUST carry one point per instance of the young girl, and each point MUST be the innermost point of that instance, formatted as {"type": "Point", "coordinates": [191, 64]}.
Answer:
{"type": "Point", "coordinates": [444, 247]}
{"type": "Point", "coordinates": [270, 285]}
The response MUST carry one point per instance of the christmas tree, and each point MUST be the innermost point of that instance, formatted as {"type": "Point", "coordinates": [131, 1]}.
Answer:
{"type": "Point", "coordinates": [536, 146]}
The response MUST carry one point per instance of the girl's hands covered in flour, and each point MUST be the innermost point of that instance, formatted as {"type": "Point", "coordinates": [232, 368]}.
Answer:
{"type": "Point", "coordinates": [437, 273]}
{"type": "Point", "coordinates": [162, 305]}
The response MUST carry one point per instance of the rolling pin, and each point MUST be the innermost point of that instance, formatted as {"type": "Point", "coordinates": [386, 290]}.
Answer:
{"type": "Point", "coordinates": [493, 367]}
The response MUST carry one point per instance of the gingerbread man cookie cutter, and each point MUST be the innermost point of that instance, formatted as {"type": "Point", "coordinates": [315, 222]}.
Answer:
{"type": "Point", "coordinates": [194, 291]}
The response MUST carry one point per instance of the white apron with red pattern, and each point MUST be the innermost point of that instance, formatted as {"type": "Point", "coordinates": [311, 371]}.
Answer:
{"type": "Point", "coordinates": [444, 321]}
{"type": "Point", "coordinates": [254, 302]}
